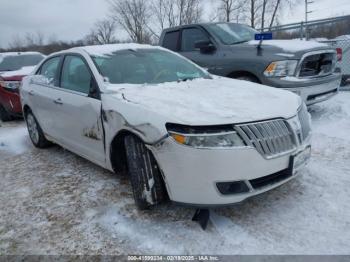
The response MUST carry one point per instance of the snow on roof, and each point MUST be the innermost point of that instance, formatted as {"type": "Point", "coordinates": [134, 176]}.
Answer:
{"type": "Point", "coordinates": [343, 37]}
{"type": "Point", "coordinates": [5, 54]}
{"type": "Point", "coordinates": [19, 53]}
{"type": "Point", "coordinates": [101, 50]}
{"type": "Point", "coordinates": [290, 45]}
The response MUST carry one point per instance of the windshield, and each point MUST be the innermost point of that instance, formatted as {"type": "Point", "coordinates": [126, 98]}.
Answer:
{"type": "Point", "coordinates": [230, 34]}
{"type": "Point", "coordinates": [146, 66]}
{"type": "Point", "coordinates": [16, 62]}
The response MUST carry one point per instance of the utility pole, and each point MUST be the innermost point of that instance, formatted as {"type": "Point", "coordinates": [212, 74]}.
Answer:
{"type": "Point", "coordinates": [307, 12]}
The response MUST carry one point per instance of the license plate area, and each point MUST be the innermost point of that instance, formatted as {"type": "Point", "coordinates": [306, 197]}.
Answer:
{"type": "Point", "coordinates": [300, 160]}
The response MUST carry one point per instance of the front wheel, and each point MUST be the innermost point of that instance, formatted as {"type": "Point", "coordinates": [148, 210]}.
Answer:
{"type": "Point", "coordinates": [146, 181]}
{"type": "Point", "coordinates": [4, 116]}
{"type": "Point", "coordinates": [344, 81]}
{"type": "Point", "coordinates": [36, 134]}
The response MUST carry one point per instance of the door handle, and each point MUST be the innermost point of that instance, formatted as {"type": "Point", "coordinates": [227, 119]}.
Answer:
{"type": "Point", "coordinates": [58, 101]}
{"type": "Point", "coordinates": [31, 92]}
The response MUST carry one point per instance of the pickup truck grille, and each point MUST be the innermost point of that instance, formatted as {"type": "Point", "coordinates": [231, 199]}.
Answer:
{"type": "Point", "coordinates": [270, 138]}
{"type": "Point", "coordinates": [319, 64]}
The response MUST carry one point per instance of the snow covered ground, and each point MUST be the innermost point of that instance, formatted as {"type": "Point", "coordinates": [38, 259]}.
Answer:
{"type": "Point", "coordinates": [53, 202]}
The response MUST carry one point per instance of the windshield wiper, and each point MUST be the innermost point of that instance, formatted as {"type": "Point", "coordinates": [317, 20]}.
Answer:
{"type": "Point", "coordinates": [239, 42]}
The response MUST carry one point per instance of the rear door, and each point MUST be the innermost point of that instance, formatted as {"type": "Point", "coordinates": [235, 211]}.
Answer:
{"type": "Point", "coordinates": [78, 111]}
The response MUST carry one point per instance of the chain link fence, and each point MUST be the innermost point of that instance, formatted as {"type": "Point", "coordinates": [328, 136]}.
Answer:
{"type": "Point", "coordinates": [342, 43]}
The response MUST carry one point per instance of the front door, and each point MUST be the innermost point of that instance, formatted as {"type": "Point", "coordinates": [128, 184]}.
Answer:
{"type": "Point", "coordinates": [78, 115]}
{"type": "Point", "coordinates": [190, 36]}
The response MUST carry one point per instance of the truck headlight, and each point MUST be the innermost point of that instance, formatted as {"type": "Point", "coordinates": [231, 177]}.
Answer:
{"type": "Point", "coordinates": [281, 68]}
{"type": "Point", "coordinates": [218, 140]}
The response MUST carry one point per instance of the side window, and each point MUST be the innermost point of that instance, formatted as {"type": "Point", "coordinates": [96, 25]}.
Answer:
{"type": "Point", "coordinates": [170, 40]}
{"type": "Point", "coordinates": [190, 37]}
{"type": "Point", "coordinates": [76, 75]}
{"type": "Point", "coordinates": [49, 69]}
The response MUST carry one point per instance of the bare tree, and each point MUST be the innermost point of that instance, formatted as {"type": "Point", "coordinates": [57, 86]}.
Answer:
{"type": "Point", "coordinates": [34, 39]}
{"type": "Point", "coordinates": [134, 17]}
{"type": "Point", "coordinates": [230, 8]}
{"type": "Point", "coordinates": [170, 13]}
{"type": "Point", "coordinates": [102, 33]}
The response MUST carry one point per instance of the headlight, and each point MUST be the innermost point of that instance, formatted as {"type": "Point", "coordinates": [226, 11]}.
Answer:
{"type": "Point", "coordinates": [281, 68]}
{"type": "Point", "coordinates": [11, 85]}
{"type": "Point", "coordinates": [218, 140]}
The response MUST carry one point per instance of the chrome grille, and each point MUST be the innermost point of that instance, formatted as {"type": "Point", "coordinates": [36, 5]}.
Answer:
{"type": "Point", "coordinates": [270, 138]}
{"type": "Point", "coordinates": [304, 119]}
{"type": "Point", "coordinates": [319, 63]}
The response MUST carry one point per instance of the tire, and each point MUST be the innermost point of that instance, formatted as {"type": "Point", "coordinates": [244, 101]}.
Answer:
{"type": "Point", "coordinates": [145, 177]}
{"type": "Point", "coordinates": [36, 134]}
{"type": "Point", "coordinates": [4, 116]}
{"type": "Point", "coordinates": [344, 81]}
{"type": "Point", "coordinates": [247, 78]}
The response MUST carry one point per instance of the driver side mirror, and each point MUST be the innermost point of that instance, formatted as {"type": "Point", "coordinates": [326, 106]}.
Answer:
{"type": "Point", "coordinates": [205, 46]}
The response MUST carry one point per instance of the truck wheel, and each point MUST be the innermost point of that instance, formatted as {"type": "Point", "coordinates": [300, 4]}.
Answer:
{"type": "Point", "coordinates": [4, 116]}
{"type": "Point", "coordinates": [248, 78]}
{"type": "Point", "coordinates": [36, 134]}
{"type": "Point", "coordinates": [344, 81]}
{"type": "Point", "coordinates": [145, 176]}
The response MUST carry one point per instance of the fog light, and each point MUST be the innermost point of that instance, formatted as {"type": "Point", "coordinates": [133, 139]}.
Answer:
{"type": "Point", "coordinates": [229, 188]}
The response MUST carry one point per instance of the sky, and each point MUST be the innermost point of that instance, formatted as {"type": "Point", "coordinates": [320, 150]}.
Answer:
{"type": "Point", "coordinates": [72, 19]}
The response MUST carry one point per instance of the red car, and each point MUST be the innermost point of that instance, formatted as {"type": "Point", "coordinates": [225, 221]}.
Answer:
{"type": "Point", "coordinates": [13, 67]}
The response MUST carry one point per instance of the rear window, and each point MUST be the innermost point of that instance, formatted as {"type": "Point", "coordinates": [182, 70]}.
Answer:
{"type": "Point", "coordinates": [170, 40]}
{"type": "Point", "coordinates": [16, 62]}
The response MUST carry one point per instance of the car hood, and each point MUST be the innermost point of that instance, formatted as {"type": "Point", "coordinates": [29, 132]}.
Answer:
{"type": "Point", "coordinates": [211, 101]}
{"type": "Point", "coordinates": [291, 46]}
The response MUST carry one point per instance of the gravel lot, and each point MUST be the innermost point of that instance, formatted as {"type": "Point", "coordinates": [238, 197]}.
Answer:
{"type": "Point", "coordinates": [53, 202]}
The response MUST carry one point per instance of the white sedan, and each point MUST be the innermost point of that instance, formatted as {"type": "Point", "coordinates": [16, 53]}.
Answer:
{"type": "Point", "coordinates": [179, 132]}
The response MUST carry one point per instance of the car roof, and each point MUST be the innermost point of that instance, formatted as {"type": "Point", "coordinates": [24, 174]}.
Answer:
{"type": "Point", "coordinates": [197, 24]}
{"type": "Point", "coordinates": [101, 50]}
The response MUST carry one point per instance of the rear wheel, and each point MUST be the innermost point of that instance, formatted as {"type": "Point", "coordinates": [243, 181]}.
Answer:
{"type": "Point", "coordinates": [36, 134]}
{"type": "Point", "coordinates": [146, 181]}
{"type": "Point", "coordinates": [4, 116]}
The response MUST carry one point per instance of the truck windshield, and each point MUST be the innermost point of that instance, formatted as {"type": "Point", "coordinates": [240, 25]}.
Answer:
{"type": "Point", "coordinates": [16, 62]}
{"type": "Point", "coordinates": [146, 66]}
{"type": "Point", "coordinates": [230, 34]}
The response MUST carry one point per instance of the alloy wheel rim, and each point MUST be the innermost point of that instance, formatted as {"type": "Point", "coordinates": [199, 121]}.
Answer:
{"type": "Point", "coordinates": [33, 129]}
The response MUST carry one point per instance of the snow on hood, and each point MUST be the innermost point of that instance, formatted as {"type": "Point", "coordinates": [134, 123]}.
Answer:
{"type": "Point", "coordinates": [291, 45]}
{"type": "Point", "coordinates": [24, 71]}
{"type": "Point", "coordinates": [211, 101]}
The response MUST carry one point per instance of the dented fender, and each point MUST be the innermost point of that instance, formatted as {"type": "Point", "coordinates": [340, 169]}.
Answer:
{"type": "Point", "coordinates": [120, 115]}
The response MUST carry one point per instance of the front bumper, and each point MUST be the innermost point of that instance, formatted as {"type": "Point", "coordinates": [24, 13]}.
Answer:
{"type": "Point", "coordinates": [313, 90]}
{"type": "Point", "coordinates": [11, 102]}
{"type": "Point", "coordinates": [191, 175]}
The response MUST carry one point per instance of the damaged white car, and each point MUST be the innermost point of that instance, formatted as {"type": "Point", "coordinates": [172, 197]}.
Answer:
{"type": "Point", "coordinates": [179, 132]}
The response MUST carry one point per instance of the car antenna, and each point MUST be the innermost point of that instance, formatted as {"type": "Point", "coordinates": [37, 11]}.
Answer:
{"type": "Point", "coordinates": [202, 216]}
{"type": "Point", "coordinates": [261, 37]}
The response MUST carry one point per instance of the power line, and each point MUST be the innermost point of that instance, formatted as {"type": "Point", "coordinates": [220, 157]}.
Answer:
{"type": "Point", "coordinates": [307, 12]}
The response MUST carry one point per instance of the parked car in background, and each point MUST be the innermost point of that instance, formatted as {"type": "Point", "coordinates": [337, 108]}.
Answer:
{"type": "Point", "coordinates": [227, 49]}
{"type": "Point", "coordinates": [13, 67]}
{"type": "Point", "coordinates": [179, 131]}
